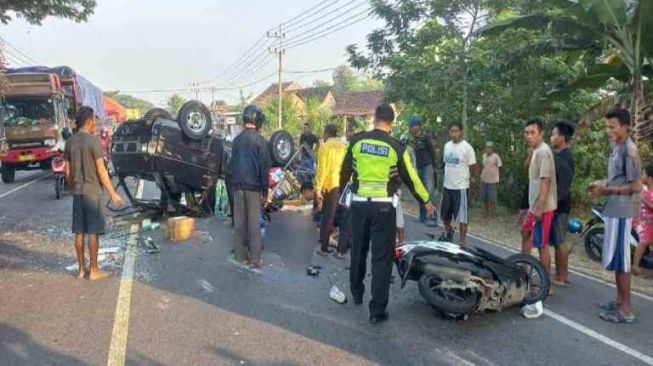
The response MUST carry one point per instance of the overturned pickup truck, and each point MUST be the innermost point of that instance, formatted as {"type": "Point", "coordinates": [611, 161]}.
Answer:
{"type": "Point", "coordinates": [181, 156]}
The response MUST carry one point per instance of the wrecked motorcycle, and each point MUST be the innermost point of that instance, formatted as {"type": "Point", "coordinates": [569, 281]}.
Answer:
{"type": "Point", "coordinates": [459, 282]}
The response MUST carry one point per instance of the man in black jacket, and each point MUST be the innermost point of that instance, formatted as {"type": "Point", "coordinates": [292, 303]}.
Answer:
{"type": "Point", "coordinates": [248, 169]}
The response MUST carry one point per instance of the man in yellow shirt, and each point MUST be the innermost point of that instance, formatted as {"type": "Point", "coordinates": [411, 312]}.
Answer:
{"type": "Point", "coordinates": [327, 180]}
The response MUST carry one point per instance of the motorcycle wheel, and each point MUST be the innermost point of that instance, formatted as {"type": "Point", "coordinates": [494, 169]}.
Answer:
{"type": "Point", "coordinates": [450, 301]}
{"type": "Point", "coordinates": [58, 187]}
{"type": "Point", "coordinates": [594, 243]}
{"type": "Point", "coordinates": [538, 280]}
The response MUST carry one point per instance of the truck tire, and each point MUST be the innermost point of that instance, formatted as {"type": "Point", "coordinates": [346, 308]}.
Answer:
{"type": "Point", "coordinates": [282, 148]}
{"type": "Point", "coordinates": [155, 113]}
{"type": "Point", "coordinates": [195, 120]}
{"type": "Point", "coordinates": [8, 174]}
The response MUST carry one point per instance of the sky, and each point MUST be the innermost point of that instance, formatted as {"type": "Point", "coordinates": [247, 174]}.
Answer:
{"type": "Point", "coordinates": [136, 45]}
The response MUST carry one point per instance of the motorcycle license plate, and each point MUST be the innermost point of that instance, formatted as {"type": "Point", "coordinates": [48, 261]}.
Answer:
{"type": "Point", "coordinates": [26, 157]}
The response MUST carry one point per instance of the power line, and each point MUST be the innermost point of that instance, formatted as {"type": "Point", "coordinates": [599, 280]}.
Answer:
{"type": "Point", "coordinates": [236, 67]}
{"type": "Point", "coordinates": [28, 58]}
{"type": "Point", "coordinates": [302, 14]}
{"type": "Point", "coordinates": [311, 18]}
{"type": "Point", "coordinates": [342, 11]}
{"type": "Point", "coordinates": [310, 71]}
{"type": "Point", "coordinates": [251, 68]}
{"type": "Point", "coordinates": [16, 56]}
{"type": "Point", "coordinates": [238, 62]}
{"type": "Point", "coordinates": [249, 84]}
{"type": "Point", "coordinates": [326, 32]}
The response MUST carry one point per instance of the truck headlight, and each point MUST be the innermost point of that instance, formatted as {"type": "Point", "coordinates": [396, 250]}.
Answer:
{"type": "Point", "coordinates": [50, 142]}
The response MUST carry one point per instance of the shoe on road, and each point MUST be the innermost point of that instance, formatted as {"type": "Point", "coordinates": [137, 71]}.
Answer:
{"type": "Point", "coordinates": [376, 319]}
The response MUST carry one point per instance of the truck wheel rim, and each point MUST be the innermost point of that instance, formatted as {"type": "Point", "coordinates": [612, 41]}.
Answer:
{"type": "Point", "coordinates": [196, 121]}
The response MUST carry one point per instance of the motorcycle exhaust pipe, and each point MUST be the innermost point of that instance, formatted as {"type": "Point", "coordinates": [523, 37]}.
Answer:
{"type": "Point", "coordinates": [447, 272]}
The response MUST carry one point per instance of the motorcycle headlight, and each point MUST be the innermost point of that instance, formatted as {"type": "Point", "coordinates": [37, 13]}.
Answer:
{"type": "Point", "coordinates": [50, 142]}
{"type": "Point", "coordinates": [143, 147]}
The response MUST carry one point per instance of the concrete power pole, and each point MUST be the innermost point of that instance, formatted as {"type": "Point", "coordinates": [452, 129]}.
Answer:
{"type": "Point", "coordinates": [279, 51]}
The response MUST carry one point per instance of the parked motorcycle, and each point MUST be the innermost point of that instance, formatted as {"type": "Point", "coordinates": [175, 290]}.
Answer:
{"type": "Point", "coordinates": [595, 232]}
{"type": "Point", "coordinates": [58, 167]}
{"type": "Point", "coordinates": [58, 163]}
{"type": "Point", "coordinates": [459, 282]}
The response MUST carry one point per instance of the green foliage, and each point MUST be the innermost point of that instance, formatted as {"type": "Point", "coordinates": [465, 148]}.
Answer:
{"type": "Point", "coordinates": [129, 101]}
{"type": "Point", "coordinates": [345, 80]}
{"type": "Point", "coordinates": [316, 114]}
{"type": "Point", "coordinates": [321, 84]}
{"type": "Point", "coordinates": [291, 118]}
{"type": "Point", "coordinates": [35, 11]}
{"type": "Point", "coordinates": [174, 104]}
{"type": "Point", "coordinates": [433, 67]}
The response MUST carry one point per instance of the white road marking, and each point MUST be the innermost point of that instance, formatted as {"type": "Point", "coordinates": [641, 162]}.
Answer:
{"type": "Point", "coordinates": [599, 337]}
{"type": "Point", "coordinates": [118, 346]}
{"type": "Point", "coordinates": [580, 274]}
{"type": "Point", "coordinates": [24, 185]}
{"type": "Point", "coordinates": [577, 326]}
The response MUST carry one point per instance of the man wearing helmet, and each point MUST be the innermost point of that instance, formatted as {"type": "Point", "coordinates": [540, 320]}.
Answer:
{"type": "Point", "coordinates": [248, 168]}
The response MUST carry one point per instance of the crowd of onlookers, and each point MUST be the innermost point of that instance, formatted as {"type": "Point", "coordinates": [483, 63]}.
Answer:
{"type": "Point", "coordinates": [547, 199]}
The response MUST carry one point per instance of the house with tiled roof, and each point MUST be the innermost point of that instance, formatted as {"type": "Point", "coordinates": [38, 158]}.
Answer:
{"type": "Point", "coordinates": [273, 91]}
{"type": "Point", "coordinates": [357, 104]}
{"type": "Point", "coordinates": [346, 105]}
{"type": "Point", "coordinates": [325, 95]}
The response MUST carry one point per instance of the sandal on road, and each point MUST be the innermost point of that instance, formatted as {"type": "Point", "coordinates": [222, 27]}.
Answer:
{"type": "Point", "coordinates": [608, 306]}
{"type": "Point", "coordinates": [616, 317]}
{"type": "Point", "coordinates": [324, 253]}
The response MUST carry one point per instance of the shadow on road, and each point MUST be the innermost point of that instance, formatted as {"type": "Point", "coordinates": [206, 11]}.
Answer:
{"type": "Point", "coordinates": [18, 348]}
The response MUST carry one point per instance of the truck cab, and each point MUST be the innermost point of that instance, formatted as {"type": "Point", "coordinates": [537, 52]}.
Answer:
{"type": "Point", "coordinates": [34, 112]}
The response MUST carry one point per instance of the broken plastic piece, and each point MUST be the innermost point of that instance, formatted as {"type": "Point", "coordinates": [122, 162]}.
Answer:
{"type": "Point", "coordinates": [336, 295]}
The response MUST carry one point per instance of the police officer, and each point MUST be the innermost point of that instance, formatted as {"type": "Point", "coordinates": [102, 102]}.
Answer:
{"type": "Point", "coordinates": [378, 164]}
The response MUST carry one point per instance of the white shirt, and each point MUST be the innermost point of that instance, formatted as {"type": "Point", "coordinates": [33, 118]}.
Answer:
{"type": "Point", "coordinates": [457, 159]}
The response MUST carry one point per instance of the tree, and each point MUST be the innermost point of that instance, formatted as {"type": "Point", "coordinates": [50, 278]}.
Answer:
{"type": "Point", "coordinates": [346, 80]}
{"type": "Point", "coordinates": [316, 114]}
{"type": "Point", "coordinates": [35, 11]}
{"type": "Point", "coordinates": [620, 28]}
{"type": "Point", "coordinates": [432, 68]}
{"type": "Point", "coordinates": [129, 101]}
{"type": "Point", "coordinates": [174, 103]}
{"type": "Point", "coordinates": [321, 84]}
{"type": "Point", "coordinates": [343, 79]}
{"type": "Point", "coordinates": [291, 115]}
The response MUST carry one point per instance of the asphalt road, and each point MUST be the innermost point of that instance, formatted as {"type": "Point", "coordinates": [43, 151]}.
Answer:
{"type": "Point", "coordinates": [189, 306]}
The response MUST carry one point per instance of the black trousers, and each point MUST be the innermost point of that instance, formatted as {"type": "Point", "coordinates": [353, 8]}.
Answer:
{"type": "Point", "coordinates": [343, 221]}
{"type": "Point", "coordinates": [375, 222]}
{"type": "Point", "coordinates": [329, 206]}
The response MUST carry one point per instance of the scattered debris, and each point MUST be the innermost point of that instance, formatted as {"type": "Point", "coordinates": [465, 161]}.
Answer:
{"type": "Point", "coordinates": [149, 245]}
{"type": "Point", "coordinates": [206, 285]}
{"type": "Point", "coordinates": [313, 271]}
{"type": "Point", "coordinates": [336, 295]}
{"type": "Point", "coordinates": [532, 311]}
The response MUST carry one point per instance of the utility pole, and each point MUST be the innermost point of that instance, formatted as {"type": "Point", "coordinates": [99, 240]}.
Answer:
{"type": "Point", "coordinates": [279, 51]}
{"type": "Point", "coordinates": [195, 88]}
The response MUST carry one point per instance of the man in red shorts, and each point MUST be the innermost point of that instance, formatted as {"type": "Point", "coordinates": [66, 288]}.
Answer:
{"type": "Point", "coordinates": [542, 195]}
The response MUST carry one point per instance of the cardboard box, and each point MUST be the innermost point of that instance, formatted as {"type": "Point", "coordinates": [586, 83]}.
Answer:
{"type": "Point", "coordinates": [181, 228]}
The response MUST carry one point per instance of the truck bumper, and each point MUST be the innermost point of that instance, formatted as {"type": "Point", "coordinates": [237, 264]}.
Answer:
{"type": "Point", "coordinates": [24, 157]}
